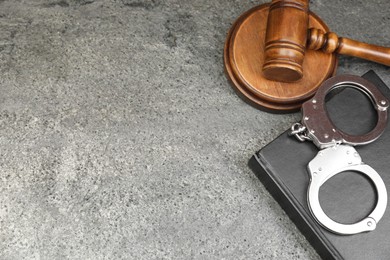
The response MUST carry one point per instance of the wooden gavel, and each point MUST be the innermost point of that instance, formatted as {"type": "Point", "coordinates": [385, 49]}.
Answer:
{"type": "Point", "coordinates": [287, 38]}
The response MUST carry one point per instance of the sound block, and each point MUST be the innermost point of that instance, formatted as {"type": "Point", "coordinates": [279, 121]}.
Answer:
{"type": "Point", "coordinates": [244, 57]}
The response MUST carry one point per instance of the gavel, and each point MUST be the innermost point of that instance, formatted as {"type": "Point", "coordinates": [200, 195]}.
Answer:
{"type": "Point", "coordinates": [288, 36]}
{"type": "Point", "coordinates": [277, 54]}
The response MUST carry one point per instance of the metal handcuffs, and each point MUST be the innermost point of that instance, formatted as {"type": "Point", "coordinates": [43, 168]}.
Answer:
{"type": "Point", "coordinates": [337, 154]}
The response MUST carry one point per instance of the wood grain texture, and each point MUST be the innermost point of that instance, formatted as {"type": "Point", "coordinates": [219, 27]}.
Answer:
{"type": "Point", "coordinates": [285, 44]}
{"type": "Point", "coordinates": [330, 43]}
{"type": "Point", "coordinates": [244, 58]}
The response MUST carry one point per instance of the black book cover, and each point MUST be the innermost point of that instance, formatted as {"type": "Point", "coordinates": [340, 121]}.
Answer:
{"type": "Point", "coordinates": [347, 197]}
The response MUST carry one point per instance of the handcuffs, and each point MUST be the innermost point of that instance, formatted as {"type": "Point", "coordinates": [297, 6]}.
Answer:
{"type": "Point", "coordinates": [337, 153]}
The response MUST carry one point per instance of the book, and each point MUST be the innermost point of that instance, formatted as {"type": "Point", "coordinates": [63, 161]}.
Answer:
{"type": "Point", "coordinates": [347, 197]}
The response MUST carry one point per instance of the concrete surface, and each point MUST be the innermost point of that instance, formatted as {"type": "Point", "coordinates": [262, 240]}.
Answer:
{"type": "Point", "coordinates": [121, 138]}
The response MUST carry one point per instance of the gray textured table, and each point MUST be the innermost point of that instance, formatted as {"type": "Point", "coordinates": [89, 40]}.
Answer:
{"type": "Point", "coordinates": [121, 138]}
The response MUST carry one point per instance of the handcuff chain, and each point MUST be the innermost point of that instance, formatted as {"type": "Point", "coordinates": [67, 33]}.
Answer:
{"type": "Point", "coordinates": [300, 132]}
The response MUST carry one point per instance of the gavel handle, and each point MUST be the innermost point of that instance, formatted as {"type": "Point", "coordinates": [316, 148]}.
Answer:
{"type": "Point", "coordinates": [330, 42]}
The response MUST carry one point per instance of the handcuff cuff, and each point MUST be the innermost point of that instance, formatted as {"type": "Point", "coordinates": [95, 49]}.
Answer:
{"type": "Point", "coordinates": [337, 153]}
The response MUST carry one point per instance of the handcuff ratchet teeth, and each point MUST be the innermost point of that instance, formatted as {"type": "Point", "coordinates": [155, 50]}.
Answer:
{"type": "Point", "coordinates": [337, 153]}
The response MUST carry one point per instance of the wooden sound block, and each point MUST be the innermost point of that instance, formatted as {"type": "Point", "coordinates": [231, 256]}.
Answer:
{"type": "Point", "coordinates": [244, 57]}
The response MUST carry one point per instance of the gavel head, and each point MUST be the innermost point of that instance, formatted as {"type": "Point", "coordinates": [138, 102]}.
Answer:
{"type": "Point", "coordinates": [285, 40]}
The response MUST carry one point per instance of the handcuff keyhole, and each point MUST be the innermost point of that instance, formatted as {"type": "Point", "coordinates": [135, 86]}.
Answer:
{"type": "Point", "coordinates": [348, 197]}
{"type": "Point", "coordinates": [352, 122]}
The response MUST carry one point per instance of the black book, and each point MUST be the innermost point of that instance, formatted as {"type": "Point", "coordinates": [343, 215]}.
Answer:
{"type": "Point", "coordinates": [347, 197]}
